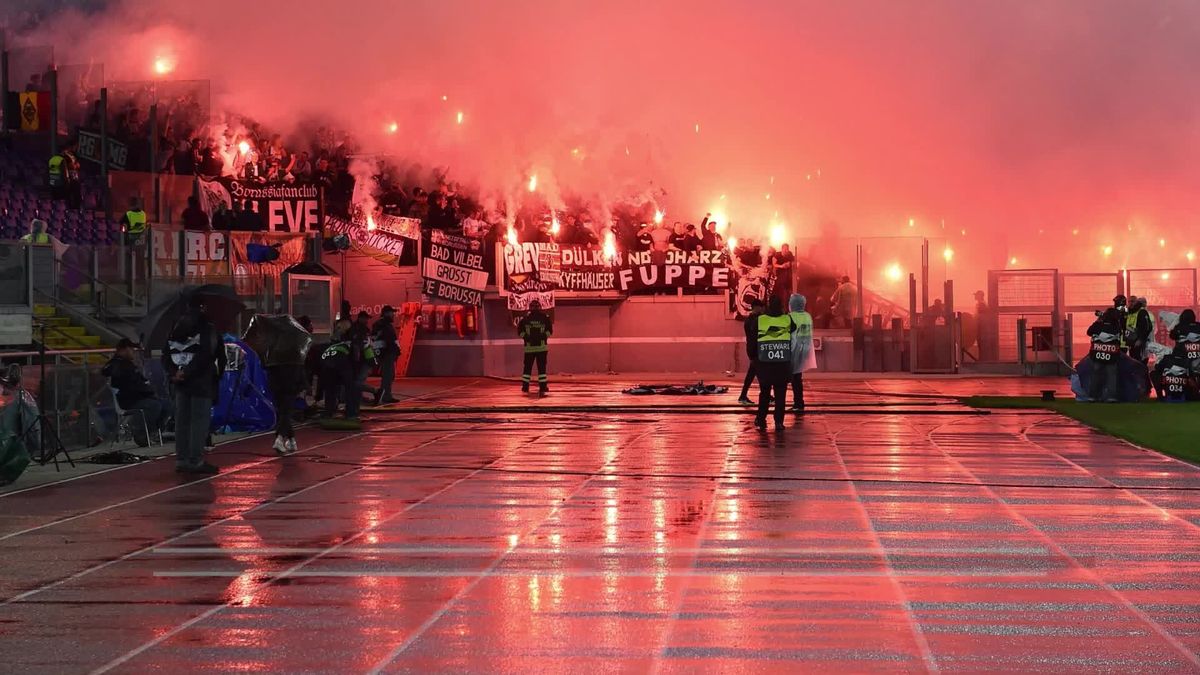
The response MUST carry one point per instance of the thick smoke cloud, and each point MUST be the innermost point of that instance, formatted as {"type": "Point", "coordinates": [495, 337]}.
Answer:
{"type": "Point", "coordinates": [1018, 123]}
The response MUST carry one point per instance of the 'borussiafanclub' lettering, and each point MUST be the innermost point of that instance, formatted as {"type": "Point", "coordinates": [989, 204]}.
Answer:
{"type": "Point", "coordinates": [273, 191]}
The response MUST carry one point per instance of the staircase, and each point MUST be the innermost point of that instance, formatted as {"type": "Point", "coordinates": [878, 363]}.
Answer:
{"type": "Point", "coordinates": [61, 333]}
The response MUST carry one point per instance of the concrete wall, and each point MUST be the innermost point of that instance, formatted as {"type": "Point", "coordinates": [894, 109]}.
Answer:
{"type": "Point", "coordinates": [640, 334]}
{"type": "Point", "coordinates": [643, 334]}
{"type": "Point", "coordinates": [650, 334]}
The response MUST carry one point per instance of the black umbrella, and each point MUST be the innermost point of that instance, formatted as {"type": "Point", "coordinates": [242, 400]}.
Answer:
{"type": "Point", "coordinates": [221, 304]}
{"type": "Point", "coordinates": [278, 340]}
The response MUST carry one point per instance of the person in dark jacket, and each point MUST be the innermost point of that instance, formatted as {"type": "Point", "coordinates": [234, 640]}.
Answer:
{"type": "Point", "coordinates": [194, 360]}
{"type": "Point", "coordinates": [387, 349]}
{"type": "Point", "coordinates": [773, 346]}
{"type": "Point", "coordinates": [709, 239]}
{"type": "Point", "coordinates": [1185, 326]}
{"type": "Point", "coordinates": [133, 392]}
{"type": "Point", "coordinates": [535, 329]}
{"type": "Point", "coordinates": [751, 328]}
{"type": "Point", "coordinates": [363, 349]}
{"type": "Point", "coordinates": [1173, 377]}
{"type": "Point", "coordinates": [248, 219]}
{"type": "Point", "coordinates": [1105, 333]}
{"type": "Point", "coordinates": [337, 372]}
{"type": "Point", "coordinates": [1186, 335]}
{"type": "Point", "coordinates": [194, 218]}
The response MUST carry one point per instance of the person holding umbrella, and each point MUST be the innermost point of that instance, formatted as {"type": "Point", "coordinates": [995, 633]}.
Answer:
{"type": "Point", "coordinates": [194, 360]}
{"type": "Point", "coordinates": [282, 345]}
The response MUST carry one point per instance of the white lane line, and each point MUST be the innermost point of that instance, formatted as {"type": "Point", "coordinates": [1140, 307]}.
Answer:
{"type": "Point", "coordinates": [189, 483]}
{"type": "Point", "coordinates": [491, 569]}
{"type": "Point", "coordinates": [1055, 546]}
{"type": "Point", "coordinates": [630, 574]}
{"type": "Point", "coordinates": [125, 658]}
{"type": "Point", "coordinates": [890, 571]}
{"type": "Point", "coordinates": [107, 563]}
{"type": "Point", "coordinates": [1162, 510]}
{"type": "Point", "coordinates": [602, 550]}
{"type": "Point", "coordinates": [681, 598]}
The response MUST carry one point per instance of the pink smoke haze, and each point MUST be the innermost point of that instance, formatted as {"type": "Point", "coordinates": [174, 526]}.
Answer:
{"type": "Point", "coordinates": [1016, 122]}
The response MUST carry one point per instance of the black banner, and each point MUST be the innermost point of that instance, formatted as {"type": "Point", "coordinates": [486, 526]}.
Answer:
{"type": "Point", "coordinates": [283, 207]}
{"type": "Point", "coordinates": [453, 268]}
{"type": "Point", "coordinates": [89, 149]}
{"type": "Point", "coordinates": [698, 270]}
{"type": "Point", "coordinates": [548, 267]}
{"type": "Point", "coordinates": [586, 269]}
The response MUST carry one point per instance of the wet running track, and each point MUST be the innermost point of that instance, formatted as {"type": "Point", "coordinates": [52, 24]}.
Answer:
{"type": "Point", "coordinates": [889, 530]}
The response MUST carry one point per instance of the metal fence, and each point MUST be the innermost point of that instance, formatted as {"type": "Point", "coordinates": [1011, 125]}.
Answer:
{"type": "Point", "coordinates": [1015, 294]}
{"type": "Point", "coordinates": [1081, 294]}
{"type": "Point", "coordinates": [72, 392]}
{"type": "Point", "coordinates": [1054, 303]}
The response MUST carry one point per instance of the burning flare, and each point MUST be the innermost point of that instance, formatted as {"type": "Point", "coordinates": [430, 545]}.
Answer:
{"type": "Point", "coordinates": [610, 246]}
{"type": "Point", "coordinates": [893, 272]}
{"type": "Point", "coordinates": [244, 147]}
{"type": "Point", "coordinates": [460, 117]}
{"type": "Point", "coordinates": [164, 65]}
{"type": "Point", "coordinates": [370, 223]}
{"type": "Point", "coordinates": [554, 227]}
{"type": "Point", "coordinates": [778, 235]}
{"type": "Point", "coordinates": [533, 183]}
{"type": "Point", "coordinates": [512, 236]}
{"type": "Point", "coordinates": [658, 216]}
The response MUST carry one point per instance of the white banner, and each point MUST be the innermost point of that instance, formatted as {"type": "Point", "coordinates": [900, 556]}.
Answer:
{"type": "Point", "coordinates": [453, 274]}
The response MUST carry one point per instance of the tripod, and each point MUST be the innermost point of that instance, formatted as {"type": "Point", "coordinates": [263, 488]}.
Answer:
{"type": "Point", "coordinates": [49, 444]}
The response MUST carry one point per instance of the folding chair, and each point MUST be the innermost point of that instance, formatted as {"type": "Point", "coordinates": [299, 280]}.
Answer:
{"type": "Point", "coordinates": [127, 417]}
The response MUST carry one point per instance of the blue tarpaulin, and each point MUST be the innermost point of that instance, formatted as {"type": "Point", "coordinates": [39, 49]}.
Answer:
{"type": "Point", "coordinates": [245, 399]}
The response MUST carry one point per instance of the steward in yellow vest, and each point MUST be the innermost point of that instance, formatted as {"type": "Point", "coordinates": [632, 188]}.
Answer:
{"type": "Point", "coordinates": [773, 346]}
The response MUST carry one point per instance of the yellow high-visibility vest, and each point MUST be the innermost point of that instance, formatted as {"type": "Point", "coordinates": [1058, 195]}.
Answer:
{"type": "Point", "coordinates": [137, 221]}
{"type": "Point", "coordinates": [56, 171]}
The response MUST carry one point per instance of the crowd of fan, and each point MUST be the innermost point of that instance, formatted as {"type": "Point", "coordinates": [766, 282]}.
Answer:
{"type": "Point", "coordinates": [191, 143]}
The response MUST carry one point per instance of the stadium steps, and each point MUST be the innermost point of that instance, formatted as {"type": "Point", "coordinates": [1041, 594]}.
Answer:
{"type": "Point", "coordinates": [62, 333]}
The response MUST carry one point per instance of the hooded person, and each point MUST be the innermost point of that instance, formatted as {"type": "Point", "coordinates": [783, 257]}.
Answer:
{"type": "Point", "coordinates": [1105, 334]}
{"type": "Point", "coordinates": [1173, 377]}
{"type": "Point", "coordinates": [803, 356]}
{"type": "Point", "coordinates": [1186, 334]}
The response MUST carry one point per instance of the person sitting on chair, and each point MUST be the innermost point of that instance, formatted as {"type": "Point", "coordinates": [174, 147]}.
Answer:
{"type": "Point", "coordinates": [133, 392]}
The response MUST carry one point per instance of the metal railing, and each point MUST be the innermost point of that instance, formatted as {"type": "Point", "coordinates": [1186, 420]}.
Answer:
{"type": "Point", "coordinates": [69, 389]}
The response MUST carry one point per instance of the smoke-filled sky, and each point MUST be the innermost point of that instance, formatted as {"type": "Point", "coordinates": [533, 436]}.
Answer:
{"type": "Point", "coordinates": [1016, 122]}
